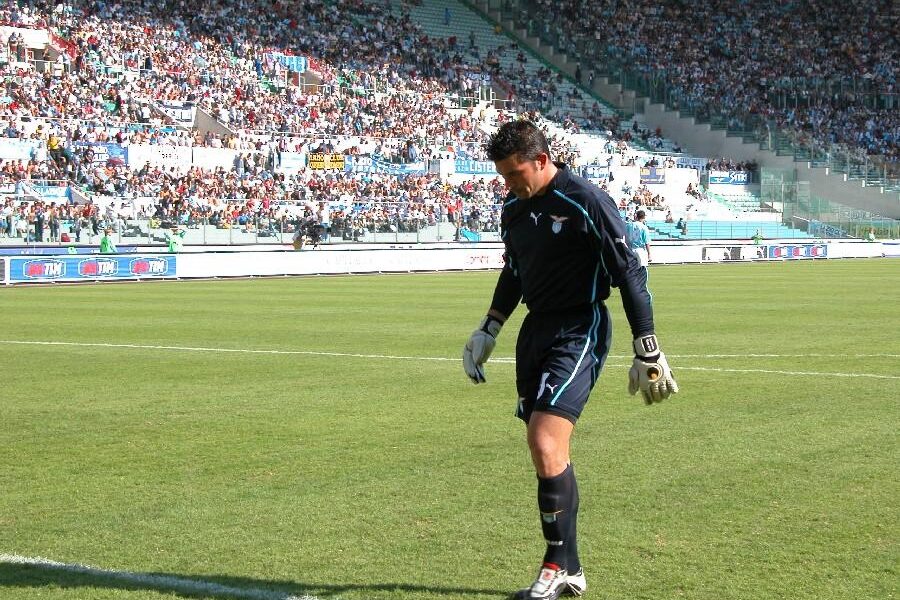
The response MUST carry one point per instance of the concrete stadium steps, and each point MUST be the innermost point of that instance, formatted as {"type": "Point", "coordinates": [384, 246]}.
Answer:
{"type": "Point", "coordinates": [463, 22]}
{"type": "Point", "coordinates": [738, 202]}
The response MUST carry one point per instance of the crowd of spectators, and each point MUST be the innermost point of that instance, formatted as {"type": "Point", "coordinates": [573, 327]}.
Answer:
{"type": "Point", "coordinates": [824, 69]}
{"type": "Point", "coordinates": [380, 75]}
{"type": "Point", "coordinates": [727, 164]}
{"type": "Point", "coordinates": [255, 201]}
{"type": "Point", "coordinates": [380, 78]}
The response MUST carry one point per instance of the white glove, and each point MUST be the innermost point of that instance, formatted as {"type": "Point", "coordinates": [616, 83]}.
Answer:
{"type": "Point", "coordinates": [479, 347]}
{"type": "Point", "coordinates": [650, 372]}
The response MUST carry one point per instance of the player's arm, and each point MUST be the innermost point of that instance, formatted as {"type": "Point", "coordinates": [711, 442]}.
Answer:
{"type": "Point", "coordinates": [650, 373]}
{"type": "Point", "coordinates": [507, 295]}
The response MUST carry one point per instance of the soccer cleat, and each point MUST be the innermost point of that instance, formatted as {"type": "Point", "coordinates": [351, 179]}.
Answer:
{"type": "Point", "coordinates": [549, 585]}
{"type": "Point", "coordinates": [576, 584]}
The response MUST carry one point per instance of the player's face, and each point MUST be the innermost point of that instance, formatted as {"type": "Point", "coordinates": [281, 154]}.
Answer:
{"type": "Point", "coordinates": [524, 178]}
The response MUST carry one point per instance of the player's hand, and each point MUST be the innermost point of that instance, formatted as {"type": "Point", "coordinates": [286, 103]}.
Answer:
{"type": "Point", "coordinates": [479, 347]}
{"type": "Point", "coordinates": [650, 372]}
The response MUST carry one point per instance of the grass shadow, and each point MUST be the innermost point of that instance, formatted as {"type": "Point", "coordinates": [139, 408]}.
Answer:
{"type": "Point", "coordinates": [206, 587]}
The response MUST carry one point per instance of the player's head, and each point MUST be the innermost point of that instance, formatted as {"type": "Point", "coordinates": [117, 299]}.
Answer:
{"type": "Point", "coordinates": [521, 155]}
{"type": "Point", "coordinates": [640, 215]}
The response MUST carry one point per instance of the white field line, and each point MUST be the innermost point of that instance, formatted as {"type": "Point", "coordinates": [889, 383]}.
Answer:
{"type": "Point", "coordinates": [501, 360]}
{"type": "Point", "coordinates": [163, 583]}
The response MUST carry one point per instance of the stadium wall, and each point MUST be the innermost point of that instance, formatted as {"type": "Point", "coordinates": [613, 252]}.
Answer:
{"type": "Point", "coordinates": [333, 260]}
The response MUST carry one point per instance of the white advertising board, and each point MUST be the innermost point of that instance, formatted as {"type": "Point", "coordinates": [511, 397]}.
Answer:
{"type": "Point", "coordinates": [257, 261]}
{"type": "Point", "coordinates": [329, 261]}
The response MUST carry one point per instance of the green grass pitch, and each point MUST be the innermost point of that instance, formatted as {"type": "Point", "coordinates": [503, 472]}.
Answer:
{"type": "Point", "coordinates": [348, 457]}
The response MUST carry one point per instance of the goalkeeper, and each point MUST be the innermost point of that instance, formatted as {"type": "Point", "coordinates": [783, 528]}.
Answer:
{"type": "Point", "coordinates": [565, 246]}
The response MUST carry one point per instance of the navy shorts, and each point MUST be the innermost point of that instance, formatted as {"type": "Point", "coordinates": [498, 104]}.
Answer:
{"type": "Point", "coordinates": [558, 359]}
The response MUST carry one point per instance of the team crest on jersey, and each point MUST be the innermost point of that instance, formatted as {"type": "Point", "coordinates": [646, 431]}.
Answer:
{"type": "Point", "coordinates": [558, 223]}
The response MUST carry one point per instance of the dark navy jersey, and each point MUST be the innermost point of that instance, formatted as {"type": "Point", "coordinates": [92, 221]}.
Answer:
{"type": "Point", "coordinates": [565, 248]}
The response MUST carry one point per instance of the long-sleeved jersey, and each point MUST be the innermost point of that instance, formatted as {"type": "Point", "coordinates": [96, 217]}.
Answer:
{"type": "Point", "coordinates": [565, 248]}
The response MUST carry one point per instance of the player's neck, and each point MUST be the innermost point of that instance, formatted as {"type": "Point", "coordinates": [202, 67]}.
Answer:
{"type": "Point", "coordinates": [549, 173]}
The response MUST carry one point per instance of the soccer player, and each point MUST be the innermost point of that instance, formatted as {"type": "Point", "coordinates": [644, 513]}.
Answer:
{"type": "Point", "coordinates": [565, 246]}
{"type": "Point", "coordinates": [638, 236]}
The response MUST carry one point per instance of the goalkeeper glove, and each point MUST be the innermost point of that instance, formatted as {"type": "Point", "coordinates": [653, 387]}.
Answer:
{"type": "Point", "coordinates": [479, 347]}
{"type": "Point", "coordinates": [650, 372]}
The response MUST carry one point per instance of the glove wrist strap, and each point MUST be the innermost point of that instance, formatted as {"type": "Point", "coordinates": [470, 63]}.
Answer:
{"type": "Point", "coordinates": [491, 326]}
{"type": "Point", "coordinates": [646, 347]}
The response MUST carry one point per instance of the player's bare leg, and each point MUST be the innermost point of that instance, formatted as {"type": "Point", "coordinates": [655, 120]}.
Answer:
{"type": "Point", "coordinates": [549, 436]}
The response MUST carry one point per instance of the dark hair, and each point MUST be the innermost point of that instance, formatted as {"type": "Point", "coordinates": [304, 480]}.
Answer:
{"type": "Point", "coordinates": [517, 137]}
{"type": "Point", "coordinates": [639, 215]}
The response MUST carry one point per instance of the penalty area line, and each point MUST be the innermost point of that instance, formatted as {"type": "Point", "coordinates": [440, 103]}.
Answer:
{"type": "Point", "coordinates": [494, 360]}
{"type": "Point", "coordinates": [151, 581]}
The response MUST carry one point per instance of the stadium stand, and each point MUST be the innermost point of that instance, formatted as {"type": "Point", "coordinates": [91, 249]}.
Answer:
{"type": "Point", "coordinates": [817, 78]}
{"type": "Point", "coordinates": [141, 116]}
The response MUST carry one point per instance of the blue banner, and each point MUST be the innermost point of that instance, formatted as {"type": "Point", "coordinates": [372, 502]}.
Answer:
{"type": "Point", "coordinates": [373, 164]}
{"type": "Point", "coordinates": [90, 268]}
{"type": "Point", "coordinates": [652, 175]}
{"type": "Point", "coordinates": [472, 167]}
{"type": "Point", "coordinates": [729, 177]}
{"type": "Point", "coordinates": [60, 194]}
{"type": "Point", "coordinates": [298, 64]}
{"type": "Point", "coordinates": [103, 154]}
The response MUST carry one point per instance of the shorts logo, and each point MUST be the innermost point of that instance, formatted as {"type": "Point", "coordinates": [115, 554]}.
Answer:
{"type": "Point", "coordinates": [545, 386]}
{"type": "Point", "coordinates": [536, 217]}
{"type": "Point", "coordinates": [558, 223]}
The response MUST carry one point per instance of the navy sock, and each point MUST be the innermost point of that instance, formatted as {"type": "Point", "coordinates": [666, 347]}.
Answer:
{"type": "Point", "coordinates": [573, 563]}
{"type": "Point", "coordinates": [555, 501]}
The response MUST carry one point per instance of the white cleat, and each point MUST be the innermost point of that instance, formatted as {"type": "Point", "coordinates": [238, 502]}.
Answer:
{"type": "Point", "coordinates": [549, 585]}
{"type": "Point", "coordinates": [576, 584]}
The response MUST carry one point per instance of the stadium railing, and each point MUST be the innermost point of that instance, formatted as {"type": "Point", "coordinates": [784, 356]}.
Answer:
{"type": "Point", "coordinates": [726, 230]}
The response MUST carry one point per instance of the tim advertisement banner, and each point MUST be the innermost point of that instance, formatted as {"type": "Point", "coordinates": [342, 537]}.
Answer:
{"type": "Point", "coordinates": [35, 270]}
{"type": "Point", "coordinates": [759, 252]}
{"type": "Point", "coordinates": [650, 175]}
{"type": "Point", "coordinates": [791, 251]}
